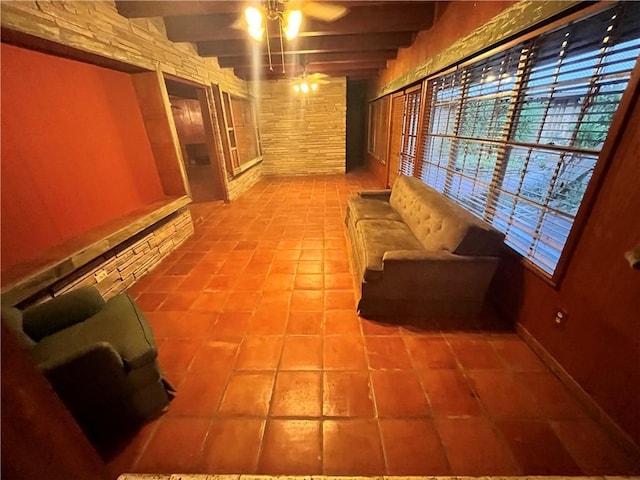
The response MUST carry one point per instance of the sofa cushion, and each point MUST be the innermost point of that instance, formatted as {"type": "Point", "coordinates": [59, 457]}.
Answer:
{"type": "Point", "coordinates": [380, 236]}
{"type": "Point", "coordinates": [440, 224]}
{"type": "Point", "coordinates": [12, 318]}
{"type": "Point", "coordinates": [359, 208]}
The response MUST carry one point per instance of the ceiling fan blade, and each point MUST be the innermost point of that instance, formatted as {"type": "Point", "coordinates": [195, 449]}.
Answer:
{"type": "Point", "coordinates": [317, 76]}
{"type": "Point", "coordinates": [326, 12]}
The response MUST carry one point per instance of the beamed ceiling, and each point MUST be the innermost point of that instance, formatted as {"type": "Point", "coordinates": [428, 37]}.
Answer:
{"type": "Point", "coordinates": [356, 45]}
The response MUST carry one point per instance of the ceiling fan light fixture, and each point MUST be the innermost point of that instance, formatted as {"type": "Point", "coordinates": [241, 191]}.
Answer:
{"type": "Point", "coordinates": [292, 23]}
{"type": "Point", "coordinates": [304, 87]}
{"type": "Point", "coordinates": [254, 20]}
{"type": "Point", "coordinates": [296, 88]}
{"type": "Point", "coordinates": [314, 86]}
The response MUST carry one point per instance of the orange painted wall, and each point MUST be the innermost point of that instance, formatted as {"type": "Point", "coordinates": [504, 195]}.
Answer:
{"type": "Point", "coordinates": [75, 152]}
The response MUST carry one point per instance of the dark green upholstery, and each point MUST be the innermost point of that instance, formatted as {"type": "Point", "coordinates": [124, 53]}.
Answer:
{"type": "Point", "coordinates": [100, 357]}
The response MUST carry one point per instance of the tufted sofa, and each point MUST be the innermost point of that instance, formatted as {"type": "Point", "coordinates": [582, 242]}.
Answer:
{"type": "Point", "coordinates": [417, 253]}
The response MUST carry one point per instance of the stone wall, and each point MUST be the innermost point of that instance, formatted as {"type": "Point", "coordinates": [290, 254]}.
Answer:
{"type": "Point", "coordinates": [120, 267]}
{"type": "Point", "coordinates": [302, 134]}
{"type": "Point", "coordinates": [96, 27]}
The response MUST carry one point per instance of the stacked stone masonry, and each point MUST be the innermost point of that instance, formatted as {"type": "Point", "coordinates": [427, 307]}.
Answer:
{"type": "Point", "coordinates": [303, 134]}
{"type": "Point", "coordinates": [120, 267]}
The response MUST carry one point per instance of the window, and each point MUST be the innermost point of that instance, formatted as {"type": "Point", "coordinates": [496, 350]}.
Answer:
{"type": "Point", "coordinates": [410, 121]}
{"type": "Point", "coordinates": [515, 137]}
{"type": "Point", "coordinates": [242, 134]}
{"type": "Point", "coordinates": [378, 128]}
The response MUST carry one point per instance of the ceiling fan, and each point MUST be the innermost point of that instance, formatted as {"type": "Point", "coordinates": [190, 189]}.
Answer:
{"type": "Point", "coordinates": [288, 14]}
{"type": "Point", "coordinates": [306, 82]}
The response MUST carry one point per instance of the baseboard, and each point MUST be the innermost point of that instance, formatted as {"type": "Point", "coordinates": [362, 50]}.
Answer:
{"type": "Point", "coordinates": [595, 411]}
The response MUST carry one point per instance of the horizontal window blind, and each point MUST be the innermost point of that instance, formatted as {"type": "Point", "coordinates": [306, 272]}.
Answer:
{"type": "Point", "coordinates": [515, 137]}
{"type": "Point", "coordinates": [411, 117]}
{"type": "Point", "coordinates": [378, 128]}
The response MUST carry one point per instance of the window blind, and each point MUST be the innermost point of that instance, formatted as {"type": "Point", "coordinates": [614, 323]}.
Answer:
{"type": "Point", "coordinates": [515, 137]}
{"type": "Point", "coordinates": [411, 117]}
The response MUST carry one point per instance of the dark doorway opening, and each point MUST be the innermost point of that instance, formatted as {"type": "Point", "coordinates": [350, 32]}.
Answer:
{"type": "Point", "coordinates": [356, 123]}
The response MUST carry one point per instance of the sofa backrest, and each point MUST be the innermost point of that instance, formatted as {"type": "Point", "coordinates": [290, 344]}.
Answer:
{"type": "Point", "coordinates": [439, 223]}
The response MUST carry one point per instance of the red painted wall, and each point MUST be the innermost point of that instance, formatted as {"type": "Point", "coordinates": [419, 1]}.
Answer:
{"type": "Point", "coordinates": [75, 152]}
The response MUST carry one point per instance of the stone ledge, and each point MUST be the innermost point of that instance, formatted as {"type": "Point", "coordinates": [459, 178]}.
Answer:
{"type": "Point", "coordinates": [28, 278]}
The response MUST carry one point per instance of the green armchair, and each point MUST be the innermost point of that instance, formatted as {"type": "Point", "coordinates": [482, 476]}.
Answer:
{"type": "Point", "coordinates": [100, 357]}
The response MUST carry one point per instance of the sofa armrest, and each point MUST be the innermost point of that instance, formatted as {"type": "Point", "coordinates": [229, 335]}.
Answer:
{"type": "Point", "coordinates": [376, 194]}
{"type": "Point", "coordinates": [437, 269]}
{"type": "Point", "coordinates": [61, 312]}
{"type": "Point", "coordinates": [96, 356]}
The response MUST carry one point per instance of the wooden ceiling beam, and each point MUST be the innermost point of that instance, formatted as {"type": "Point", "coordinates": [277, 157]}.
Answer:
{"type": "Point", "coordinates": [358, 20]}
{"type": "Point", "coordinates": [303, 59]}
{"type": "Point", "coordinates": [165, 8]}
{"type": "Point", "coordinates": [334, 43]}
{"type": "Point", "coordinates": [296, 69]}
{"type": "Point", "coordinates": [265, 75]}
{"type": "Point", "coordinates": [149, 8]}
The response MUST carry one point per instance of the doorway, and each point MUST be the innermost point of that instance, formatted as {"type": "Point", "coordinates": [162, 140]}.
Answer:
{"type": "Point", "coordinates": [192, 118]}
{"type": "Point", "coordinates": [356, 123]}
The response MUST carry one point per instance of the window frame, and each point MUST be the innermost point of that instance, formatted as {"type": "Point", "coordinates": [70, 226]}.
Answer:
{"type": "Point", "coordinates": [228, 129]}
{"type": "Point", "coordinates": [607, 151]}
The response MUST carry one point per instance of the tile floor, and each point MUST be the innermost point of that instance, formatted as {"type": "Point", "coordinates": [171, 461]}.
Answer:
{"type": "Point", "coordinates": [276, 374]}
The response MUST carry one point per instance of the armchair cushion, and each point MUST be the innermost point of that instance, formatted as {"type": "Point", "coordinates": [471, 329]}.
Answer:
{"type": "Point", "coordinates": [119, 323]}
{"type": "Point", "coordinates": [61, 312]}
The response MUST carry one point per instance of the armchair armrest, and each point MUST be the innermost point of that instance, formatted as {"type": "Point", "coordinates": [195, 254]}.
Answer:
{"type": "Point", "coordinates": [99, 353]}
{"type": "Point", "coordinates": [61, 312]}
{"type": "Point", "coordinates": [376, 194]}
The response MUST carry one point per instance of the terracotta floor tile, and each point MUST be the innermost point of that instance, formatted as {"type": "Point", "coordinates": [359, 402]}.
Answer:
{"type": "Point", "coordinates": [233, 445]}
{"type": "Point", "coordinates": [277, 301]}
{"type": "Point", "coordinates": [537, 448]}
{"type": "Point", "coordinates": [180, 324]}
{"type": "Point", "coordinates": [307, 300]}
{"type": "Point", "coordinates": [340, 457]}
{"type": "Point", "coordinates": [475, 352]}
{"type": "Point", "coordinates": [344, 352]}
{"type": "Point", "coordinates": [341, 322]}
{"type": "Point", "coordinates": [338, 281]}
{"type": "Point", "coordinates": [301, 352]}
{"type": "Point", "coordinates": [176, 354]}
{"type": "Point", "coordinates": [593, 449]}
{"type": "Point", "coordinates": [176, 445]}
{"type": "Point", "coordinates": [309, 281]}
{"type": "Point", "coordinates": [250, 281]}
{"type": "Point", "coordinates": [449, 393]}
{"type": "Point", "coordinates": [387, 353]}
{"type": "Point", "coordinates": [552, 397]}
{"type": "Point", "coordinates": [304, 323]}
{"type": "Point", "coordinates": [286, 267]}
{"type": "Point", "coordinates": [287, 255]}
{"type": "Point", "coordinates": [210, 301]}
{"type": "Point", "coordinates": [259, 353]}
{"type": "Point", "coordinates": [517, 354]}
{"type": "Point", "coordinates": [198, 395]}
{"type": "Point", "coordinates": [242, 301]}
{"type": "Point", "coordinates": [336, 266]}
{"type": "Point", "coordinates": [248, 394]}
{"type": "Point", "coordinates": [430, 353]}
{"type": "Point", "coordinates": [398, 394]}
{"type": "Point", "coordinates": [340, 300]}
{"type": "Point", "coordinates": [180, 268]}
{"type": "Point", "coordinates": [310, 267]}
{"type": "Point", "coordinates": [150, 301]}
{"type": "Point", "coordinates": [373, 327]}
{"type": "Point", "coordinates": [257, 268]}
{"type": "Point", "coordinates": [503, 395]}
{"type": "Point", "coordinates": [276, 282]}
{"type": "Point", "coordinates": [412, 447]}
{"type": "Point", "coordinates": [266, 321]}
{"type": "Point", "coordinates": [474, 448]}
{"type": "Point", "coordinates": [347, 394]}
{"type": "Point", "coordinates": [291, 447]}
{"type": "Point", "coordinates": [194, 282]}
{"type": "Point", "coordinates": [163, 284]}
{"type": "Point", "coordinates": [230, 325]}
{"type": "Point", "coordinates": [297, 394]}
{"type": "Point", "coordinates": [215, 357]}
